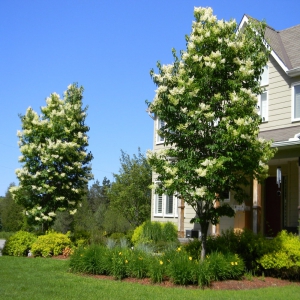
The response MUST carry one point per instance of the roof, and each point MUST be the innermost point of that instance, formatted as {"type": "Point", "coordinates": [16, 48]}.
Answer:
{"type": "Point", "coordinates": [284, 43]}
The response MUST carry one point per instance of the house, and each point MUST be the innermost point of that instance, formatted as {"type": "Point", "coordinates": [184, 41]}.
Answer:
{"type": "Point", "coordinates": [274, 204]}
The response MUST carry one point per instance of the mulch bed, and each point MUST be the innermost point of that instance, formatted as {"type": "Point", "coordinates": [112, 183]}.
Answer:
{"type": "Point", "coordinates": [244, 284]}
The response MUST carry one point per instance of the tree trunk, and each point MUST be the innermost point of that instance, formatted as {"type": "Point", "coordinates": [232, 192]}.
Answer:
{"type": "Point", "coordinates": [204, 229]}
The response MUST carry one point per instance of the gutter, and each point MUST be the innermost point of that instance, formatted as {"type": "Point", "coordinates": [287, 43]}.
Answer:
{"type": "Point", "coordinates": [285, 143]}
{"type": "Point", "coordinates": [294, 72]}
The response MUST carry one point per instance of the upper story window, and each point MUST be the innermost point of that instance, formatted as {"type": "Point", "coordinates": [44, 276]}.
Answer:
{"type": "Point", "coordinates": [265, 76]}
{"type": "Point", "coordinates": [159, 125]}
{"type": "Point", "coordinates": [262, 106]}
{"type": "Point", "coordinates": [296, 101]}
{"type": "Point", "coordinates": [225, 196]}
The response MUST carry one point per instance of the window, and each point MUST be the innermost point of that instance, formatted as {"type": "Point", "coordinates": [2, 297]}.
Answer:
{"type": "Point", "coordinates": [225, 196]}
{"type": "Point", "coordinates": [296, 102]}
{"type": "Point", "coordinates": [165, 205]}
{"type": "Point", "coordinates": [169, 205]}
{"type": "Point", "coordinates": [262, 106]}
{"type": "Point", "coordinates": [158, 204]}
{"type": "Point", "coordinates": [265, 76]}
{"type": "Point", "coordinates": [160, 124]}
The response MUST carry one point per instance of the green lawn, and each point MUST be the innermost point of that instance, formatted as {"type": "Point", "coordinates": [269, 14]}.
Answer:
{"type": "Point", "coordinates": [40, 278]}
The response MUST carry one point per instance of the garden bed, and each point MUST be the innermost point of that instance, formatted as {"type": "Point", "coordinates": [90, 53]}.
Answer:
{"type": "Point", "coordinates": [244, 284]}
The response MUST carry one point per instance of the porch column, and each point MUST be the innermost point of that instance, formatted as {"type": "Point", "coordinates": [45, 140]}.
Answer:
{"type": "Point", "coordinates": [256, 206]}
{"type": "Point", "coordinates": [181, 218]}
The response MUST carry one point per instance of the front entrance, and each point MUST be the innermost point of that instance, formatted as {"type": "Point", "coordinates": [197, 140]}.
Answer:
{"type": "Point", "coordinates": [273, 207]}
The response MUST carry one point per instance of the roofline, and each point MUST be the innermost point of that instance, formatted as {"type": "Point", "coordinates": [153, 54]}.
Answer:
{"type": "Point", "coordinates": [294, 72]}
{"type": "Point", "coordinates": [285, 143]}
{"type": "Point", "coordinates": [244, 20]}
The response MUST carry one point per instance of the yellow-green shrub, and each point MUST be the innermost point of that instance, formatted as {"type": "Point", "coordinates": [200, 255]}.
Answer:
{"type": "Point", "coordinates": [19, 244]}
{"type": "Point", "coordinates": [285, 260]}
{"type": "Point", "coordinates": [52, 243]}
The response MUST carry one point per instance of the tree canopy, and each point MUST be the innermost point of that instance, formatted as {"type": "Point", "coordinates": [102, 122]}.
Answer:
{"type": "Point", "coordinates": [207, 99]}
{"type": "Point", "coordinates": [55, 165]}
{"type": "Point", "coordinates": [130, 193]}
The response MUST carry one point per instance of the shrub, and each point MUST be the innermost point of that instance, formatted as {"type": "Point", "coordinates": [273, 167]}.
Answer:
{"type": "Point", "coordinates": [119, 263]}
{"type": "Point", "coordinates": [203, 273]}
{"type": "Point", "coordinates": [19, 244]}
{"type": "Point", "coordinates": [223, 267]}
{"type": "Point", "coordinates": [94, 259]}
{"type": "Point", "coordinates": [284, 260]}
{"type": "Point", "coordinates": [6, 234]}
{"type": "Point", "coordinates": [52, 243]}
{"type": "Point", "coordinates": [138, 262]}
{"type": "Point", "coordinates": [117, 235]}
{"type": "Point", "coordinates": [193, 248]}
{"type": "Point", "coordinates": [157, 268]}
{"type": "Point", "coordinates": [159, 235]}
{"type": "Point", "coordinates": [249, 246]}
{"type": "Point", "coordinates": [181, 267]}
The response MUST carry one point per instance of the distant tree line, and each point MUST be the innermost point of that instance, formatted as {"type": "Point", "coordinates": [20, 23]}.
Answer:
{"type": "Point", "coordinates": [109, 207]}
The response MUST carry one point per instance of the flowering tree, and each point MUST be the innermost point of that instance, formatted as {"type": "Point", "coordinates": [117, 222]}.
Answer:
{"type": "Point", "coordinates": [55, 167]}
{"type": "Point", "coordinates": [207, 99]}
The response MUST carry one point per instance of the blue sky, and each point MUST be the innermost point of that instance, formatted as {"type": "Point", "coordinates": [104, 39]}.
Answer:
{"type": "Point", "coordinates": [108, 47]}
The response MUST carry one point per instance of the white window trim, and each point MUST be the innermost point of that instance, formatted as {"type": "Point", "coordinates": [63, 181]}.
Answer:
{"type": "Point", "coordinates": [227, 199]}
{"type": "Point", "coordinates": [164, 206]}
{"type": "Point", "coordinates": [259, 107]}
{"type": "Point", "coordinates": [156, 213]}
{"type": "Point", "coordinates": [159, 139]}
{"type": "Point", "coordinates": [293, 101]}
{"type": "Point", "coordinates": [266, 70]}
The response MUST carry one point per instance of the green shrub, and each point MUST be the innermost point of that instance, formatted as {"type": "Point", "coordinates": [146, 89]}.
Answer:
{"type": "Point", "coordinates": [119, 263]}
{"type": "Point", "coordinates": [193, 248]}
{"type": "Point", "coordinates": [181, 267]}
{"type": "Point", "coordinates": [6, 234]}
{"type": "Point", "coordinates": [52, 243]}
{"type": "Point", "coordinates": [284, 260]}
{"type": "Point", "coordinates": [203, 273]}
{"type": "Point", "coordinates": [138, 264]}
{"type": "Point", "coordinates": [19, 244]}
{"type": "Point", "coordinates": [248, 245]}
{"type": "Point", "coordinates": [93, 259]}
{"type": "Point", "coordinates": [225, 266]}
{"type": "Point", "coordinates": [159, 235]}
{"type": "Point", "coordinates": [117, 235]}
{"type": "Point", "coordinates": [157, 268]}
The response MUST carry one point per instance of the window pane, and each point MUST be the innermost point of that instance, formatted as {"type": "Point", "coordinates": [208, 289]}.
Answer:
{"type": "Point", "coordinates": [265, 76]}
{"type": "Point", "coordinates": [169, 205]}
{"type": "Point", "coordinates": [160, 124]}
{"type": "Point", "coordinates": [158, 204]}
{"type": "Point", "coordinates": [264, 106]}
{"type": "Point", "coordinates": [297, 101]}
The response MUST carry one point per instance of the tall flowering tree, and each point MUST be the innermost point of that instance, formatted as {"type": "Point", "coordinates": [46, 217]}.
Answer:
{"type": "Point", "coordinates": [55, 165]}
{"type": "Point", "coordinates": [207, 99]}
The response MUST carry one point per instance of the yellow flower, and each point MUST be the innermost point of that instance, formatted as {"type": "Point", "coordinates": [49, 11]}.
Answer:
{"type": "Point", "coordinates": [236, 263]}
{"type": "Point", "coordinates": [126, 261]}
{"type": "Point", "coordinates": [178, 249]}
{"type": "Point", "coordinates": [161, 262]}
{"type": "Point", "coordinates": [120, 253]}
{"type": "Point", "coordinates": [232, 263]}
{"type": "Point", "coordinates": [190, 258]}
